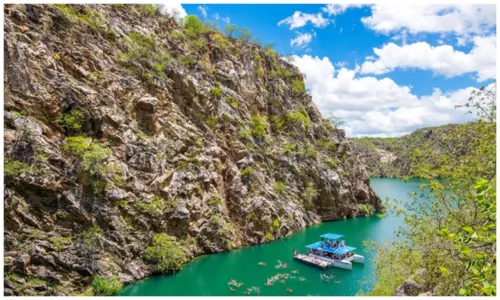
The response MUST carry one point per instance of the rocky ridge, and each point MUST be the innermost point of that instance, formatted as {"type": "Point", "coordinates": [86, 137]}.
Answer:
{"type": "Point", "coordinates": [121, 124]}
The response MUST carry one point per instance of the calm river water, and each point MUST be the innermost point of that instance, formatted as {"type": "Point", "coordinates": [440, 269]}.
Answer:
{"type": "Point", "coordinates": [209, 275]}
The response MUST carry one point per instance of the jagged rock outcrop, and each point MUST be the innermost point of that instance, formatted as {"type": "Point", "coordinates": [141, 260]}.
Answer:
{"type": "Point", "coordinates": [119, 125]}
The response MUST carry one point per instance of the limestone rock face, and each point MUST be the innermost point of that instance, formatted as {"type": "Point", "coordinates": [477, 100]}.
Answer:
{"type": "Point", "coordinates": [212, 144]}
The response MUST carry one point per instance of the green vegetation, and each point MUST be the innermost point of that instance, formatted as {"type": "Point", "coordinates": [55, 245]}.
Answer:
{"type": "Point", "coordinates": [212, 121]}
{"type": "Point", "coordinates": [289, 149]}
{"type": "Point", "coordinates": [277, 123]}
{"type": "Point", "coordinates": [91, 157]}
{"type": "Point", "coordinates": [245, 134]}
{"type": "Point", "coordinates": [332, 163]}
{"type": "Point", "coordinates": [310, 193]}
{"type": "Point", "coordinates": [309, 152]}
{"type": "Point", "coordinates": [230, 29]}
{"type": "Point", "coordinates": [298, 117]}
{"type": "Point", "coordinates": [247, 172]}
{"type": "Point", "coordinates": [276, 224]}
{"type": "Point", "coordinates": [60, 242]}
{"type": "Point", "coordinates": [91, 236]}
{"type": "Point", "coordinates": [156, 206]}
{"type": "Point", "coordinates": [448, 241]}
{"type": "Point", "coordinates": [269, 236]}
{"type": "Point", "coordinates": [327, 144]}
{"type": "Point", "coordinates": [215, 201]}
{"type": "Point", "coordinates": [88, 16]}
{"type": "Point", "coordinates": [215, 92]}
{"type": "Point", "coordinates": [149, 9]}
{"type": "Point", "coordinates": [57, 57]}
{"type": "Point", "coordinates": [231, 101]}
{"type": "Point", "coordinates": [193, 25]}
{"type": "Point", "coordinates": [259, 71]}
{"type": "Point", "coordinates": [165, 253]}
{"type": "Point", "coordinates": [15, 168]}
{"type": "Point", "coordinates": [71, 122]}
{"type": "Point", "coordinates": [259, 125]}
{"type": "Point", "coordinates": [280, 187]}
{"type": "Point", "coordinates": [106, 286]}
{"type": "Point", "coordinates": [365, 209]}
{"type": "Point", "coordinates": [298, 86]}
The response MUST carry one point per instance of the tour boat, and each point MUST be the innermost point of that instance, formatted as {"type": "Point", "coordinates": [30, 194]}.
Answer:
{"type": "Point", "coordinates": [323, 256]}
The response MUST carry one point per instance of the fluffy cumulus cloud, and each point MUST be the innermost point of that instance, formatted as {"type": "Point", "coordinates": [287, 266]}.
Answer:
{"type": "Point", "coordinates": [460, 19]}
{"type": "Point", "coordinates": [442, 60]}
{"type": "Point", "coordinates": [300, 19]}
{"type": "Point", "coordinates": [377, 107]}
{"type": "Point", "coordinates": [173, 8]}
{"type": "Point", "coordinates": [302, 39]}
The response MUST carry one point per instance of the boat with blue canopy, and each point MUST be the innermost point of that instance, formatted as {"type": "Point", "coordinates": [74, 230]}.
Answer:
{"type": "Point", "coordinates": [335, 253]}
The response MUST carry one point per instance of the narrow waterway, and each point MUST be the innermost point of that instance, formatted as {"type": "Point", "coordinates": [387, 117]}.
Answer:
{"type": "Point", "coordinates": [209, 275]}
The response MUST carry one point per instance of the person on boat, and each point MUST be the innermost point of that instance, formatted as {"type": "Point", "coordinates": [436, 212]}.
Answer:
{"type": "Point", "coordinates": [294, 252]}
{"type": "Point", "coordinates": [342, 244]}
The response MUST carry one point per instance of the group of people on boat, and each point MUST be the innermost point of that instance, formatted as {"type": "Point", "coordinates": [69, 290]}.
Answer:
{"type": "Point", "coordinates": [333, 245]}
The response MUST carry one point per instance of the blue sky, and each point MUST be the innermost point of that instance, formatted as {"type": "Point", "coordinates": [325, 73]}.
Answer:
{"type": "Point", "coordinates": [385, 70]}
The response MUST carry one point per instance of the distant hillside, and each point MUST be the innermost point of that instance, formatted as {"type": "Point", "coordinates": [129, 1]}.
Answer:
{"type": "Point", "coordinates": [392, 157]}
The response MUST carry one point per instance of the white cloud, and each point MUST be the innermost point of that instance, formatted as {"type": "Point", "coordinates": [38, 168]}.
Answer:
{"type": "Point", "coordinates": [337, 9]}
{"type": "Point", "coordinates": [173, 8]}
{"type": "Point", "coordinates": [300, 19]}
{"type": "Point", "coordinates": [377, 107]}
{"type": "Point", "coordinates": [217, 17]}
{"type": "Point", "coordinates": [442, 60]}
{"type": "Point", "coordinates": [302, 39]}
{"type": "Point", "coordinates": [203, 10]}
{"type": "Point", "coordinates": [460, 19]}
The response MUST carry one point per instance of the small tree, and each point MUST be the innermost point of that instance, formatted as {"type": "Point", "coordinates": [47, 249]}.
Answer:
{"type": "Point", "coordinates": [484, 101]}
{"type": "Point", "coordinates": [166, 253]}
{"type": "Point", "coordinates": [245, 34]}
{"type": "Point", "coordinates": [335, 121]}
{"type": "Point", "coordinates": [230, 29]}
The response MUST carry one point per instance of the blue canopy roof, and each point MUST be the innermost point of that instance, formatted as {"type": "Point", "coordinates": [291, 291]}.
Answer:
{"type": "Point", "coordinates": [332, 236]}
{"type": "Point", "coordinates": [338, 251]}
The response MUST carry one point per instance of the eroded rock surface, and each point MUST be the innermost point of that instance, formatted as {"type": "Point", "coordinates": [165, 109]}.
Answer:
{"type": "Point", "coordinates": [186, 155]}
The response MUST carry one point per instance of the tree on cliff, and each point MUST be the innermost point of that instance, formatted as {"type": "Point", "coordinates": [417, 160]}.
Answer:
{"type": "Point", "coordinates": [448, 246]}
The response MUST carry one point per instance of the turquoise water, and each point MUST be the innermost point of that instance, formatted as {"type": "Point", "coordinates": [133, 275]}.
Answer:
{"type": "Point", "coordinates": [209, 275]}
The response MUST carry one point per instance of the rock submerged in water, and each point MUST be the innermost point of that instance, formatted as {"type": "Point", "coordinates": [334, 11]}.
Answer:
{"type": "Point", "coordinates": [202, 151]}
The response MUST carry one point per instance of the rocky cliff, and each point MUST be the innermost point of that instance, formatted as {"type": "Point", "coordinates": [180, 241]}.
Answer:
{"type": "Point", "coordinates": [395, 157]}
{"type": "Point", "coordinates": [121, 124]}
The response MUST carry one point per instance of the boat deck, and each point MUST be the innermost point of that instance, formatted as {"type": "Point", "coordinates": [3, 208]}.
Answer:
{"type": "Point", "coordinates": [318, 263]}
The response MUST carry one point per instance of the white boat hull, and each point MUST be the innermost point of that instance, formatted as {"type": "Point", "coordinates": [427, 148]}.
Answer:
{"type": "Point", "coordinates": [358, 259]}
{"type": "Point", "coordinates": [342, 264]}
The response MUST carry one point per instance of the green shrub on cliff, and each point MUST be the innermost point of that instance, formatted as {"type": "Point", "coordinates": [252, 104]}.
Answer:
{"type": "Point", "coordinates": [15, 168]}
{"type": "Point", "coordinates": [192, 25]}
{"type": "Point", "coordinates": [298, 117]}
{"type": "Point", "coordinates": [155, 206]}
{"type": "Point", "coordinates": [298, 86]}
{"type": "Point", "coordinates": [91, 236]}
{"type": "Point", "coordinates": [165, 253]}
{"type": "Point", "coordinates": [280, 187]}
{"type": "Point", "coordinates": [310, 193]}
{"type": "Point", "coordinates": [259, 125]}
{"type": "Point", "coordinates": [106, 286]}
{"type": "Point", "coordinates": [71, 122]}
{"type": "Point", "coordinates": [60, 242]}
